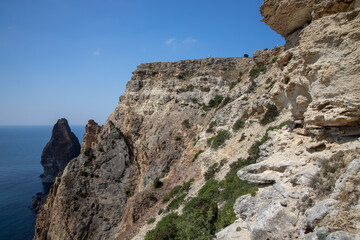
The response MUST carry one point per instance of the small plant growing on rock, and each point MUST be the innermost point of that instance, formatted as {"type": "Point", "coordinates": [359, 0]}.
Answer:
{"type": "Point", "coordinates": [151, 221]}
{"type": "Point", "coordinates": [238, 125]}
{"type": "Point", "coordinates": [246, 55]}
{"type": "Point", "coordinates": [157, 183]}
{"type": "Point", "coordinates": [179, 76]}
{"type": "Point", "coordinates": [177, 138]}
{"type": "Point", "coordinates": [215, 102]}
{"type": "Point", "coordinates": [270, 115]}
{"type": "Point", "coordinates": [220, 139]}
{"type": "Point", "coordinates": [255, 72]}
{"type": "Point", "coordinates": [211, 127]}
{"type": "Point", "coordinates": [232, 85]}
{"type": "Point", "coordinates": [226, 101]}
{"type": "Point", "coordinates": [197, 155]}
{"type": "Point", "coordinates": [186, 123]}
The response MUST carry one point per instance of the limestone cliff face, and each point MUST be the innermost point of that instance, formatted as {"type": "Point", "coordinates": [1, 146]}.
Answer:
{"type": "Point", "coordinates": [62, 147]}
{"type": "Point", "coordinates": [307, 172]}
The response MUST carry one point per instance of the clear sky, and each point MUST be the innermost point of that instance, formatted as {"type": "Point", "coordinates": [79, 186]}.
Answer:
{"type": "Point", "coordinates": [72, 58]}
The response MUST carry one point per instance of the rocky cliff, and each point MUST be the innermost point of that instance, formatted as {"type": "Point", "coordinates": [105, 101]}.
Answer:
{"type": "Point", "coordinates": [62, 147]}
{"type": "Point", "coordinates": [286, 121]}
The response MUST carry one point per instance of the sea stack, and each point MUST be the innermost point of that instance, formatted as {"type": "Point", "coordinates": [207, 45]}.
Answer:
{"type": "Point", "coordinates": [62, 147]}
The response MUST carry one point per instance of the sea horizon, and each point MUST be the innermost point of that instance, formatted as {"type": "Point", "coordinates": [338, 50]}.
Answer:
{"type": "Point", "coordinates": [20, 156]}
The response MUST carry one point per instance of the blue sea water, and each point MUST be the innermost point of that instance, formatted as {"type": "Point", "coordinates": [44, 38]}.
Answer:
{"type": "Point", "coordinates": [20, 169]}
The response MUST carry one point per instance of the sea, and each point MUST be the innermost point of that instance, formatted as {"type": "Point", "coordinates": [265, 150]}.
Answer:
{"type": "Point", "coordinates": [20, 170]}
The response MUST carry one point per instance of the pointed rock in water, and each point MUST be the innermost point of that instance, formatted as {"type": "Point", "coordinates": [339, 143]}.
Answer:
{"type": "Point", "coordinates": [62, 147]}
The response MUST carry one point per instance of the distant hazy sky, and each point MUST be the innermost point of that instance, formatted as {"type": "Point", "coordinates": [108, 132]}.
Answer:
{"type": "Point", "coordinates": [72, 58]}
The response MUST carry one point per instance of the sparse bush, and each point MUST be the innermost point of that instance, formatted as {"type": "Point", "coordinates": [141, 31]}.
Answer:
{"type": "Point", "coordinates": [160, 211]}
{"type": "Point", "coordinates": [246, 55]}
{"type": "Point", "coordinates": [212, 170]}
{"type": "Point", "coordinates": [100, 148]}
{"type": "Point", "coordinates": [176, 202]}
{"type": "Point", "coordinates": [179, 76]}
{"type": "Point", "coordinates": [83, 173]}
{"type": "Point", "coordinates": [211, 127]}
{"type": "Point", "coordinates": [238, 125]}
{"type": "Point", "coordinates": [274, 60]}
{"type": "Point", "coordinates": [255, 72]}
{"type": "Point", "coordinates": [220, 139]}
{"type": "Point", "coordinates": [157, 183]}
{"type": "Point", "coordinates": [232, 85]}
{"type": "Point", "coordinates": [252, 86]}
{"type": "Point", "coordinates": [177, 138]}
{"type": "Point", "coordinates": [215, 102]}
{"type": "Point", "coordinates": [197, 155]}
{"type": "Point", "coordinates": [151, 221]}
{"type": "Point", "coordinates": [186, 123]}
{"type": "Point", "coordinates": [172, 193]}
{"type": "Point", "coordinates": [226, 101]}
{"type": "Point", "coordinates": [270, 115]}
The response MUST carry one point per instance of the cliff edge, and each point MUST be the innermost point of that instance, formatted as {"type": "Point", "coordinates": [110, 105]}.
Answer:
{"type": "Point", "coordinates": [228, 148]}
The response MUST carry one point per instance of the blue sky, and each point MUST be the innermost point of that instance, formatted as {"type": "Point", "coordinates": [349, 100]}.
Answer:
{"type": "Point", "coordinates": [72, 58]}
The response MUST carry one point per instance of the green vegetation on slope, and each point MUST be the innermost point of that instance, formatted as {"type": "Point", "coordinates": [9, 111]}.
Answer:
{"type": "Point", "coordinates": [202, 216]}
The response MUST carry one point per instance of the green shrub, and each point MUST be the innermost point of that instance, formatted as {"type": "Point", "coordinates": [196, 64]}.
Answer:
{"type": "Point", "coordinates": [160, 211]}
{"type": "Point", "coordinates": [226, 101]}
{"type": "Point", "coordinates": [186, 123]}
{"type": "Point", "coordinates": [215, 102]}
{"type": "Point", "coordinates": [151, 221]}
{"type": "Point", "coordinates": [274, 60]}
{"type": "Point", "coordinates": [171, 194]}
{"type": "Point", "coordinates": [177, 138]}
{"type": "Point", "coordinates": [197, 155]}
{"type": "Point", "coordinates": [255, 72]}
{"type": "Point", "coordinates": [198, 219]}
{"type": "Point", "coordinates": [179, 76]}
{"type": "Point", "coordinates": [220, 139]}
{"type": "Point", "coordinates": [232, 85]}
{"type": "Point", "coordinates": [174, 204]}
{"type": "Point", "coordinates": [165, 229]}
{"type": "Point", "coordinates": [211, 127]}
{"type": "Point", "coordinates": [186, 186]}
{"type": "Point", "coordinates": [246, 55]}
{"type": "Point", "coordinates": [238, 124]}
{"type": "Point", "coordinates": [253, 86]}
{"type": "Point", "coordinates": [212, 170]}
{"type": "Point", "coordinates": [157, 183]}
{"type": "Point", "coordinates": [210, 190]}
{"type": "Point", "coordinates": [270, 115]}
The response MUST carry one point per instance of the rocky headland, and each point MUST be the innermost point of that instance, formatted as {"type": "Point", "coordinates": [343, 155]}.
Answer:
{"type": "Point", "coordinates": [228, 148]}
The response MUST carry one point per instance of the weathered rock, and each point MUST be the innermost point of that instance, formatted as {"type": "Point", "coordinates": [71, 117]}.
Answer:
{"type": "Point", "coordinates": [287, 16]}
{"type": "Point", "coordinates": [92, 129]}
{"type": "Point", "coordinates": [62, 147]}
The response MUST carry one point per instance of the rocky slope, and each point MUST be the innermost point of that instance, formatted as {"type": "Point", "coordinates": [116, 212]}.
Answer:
{"type": "Point", "coordinates": [61, 148]}
{"type": "Point", "coordinates": [184, 120]}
